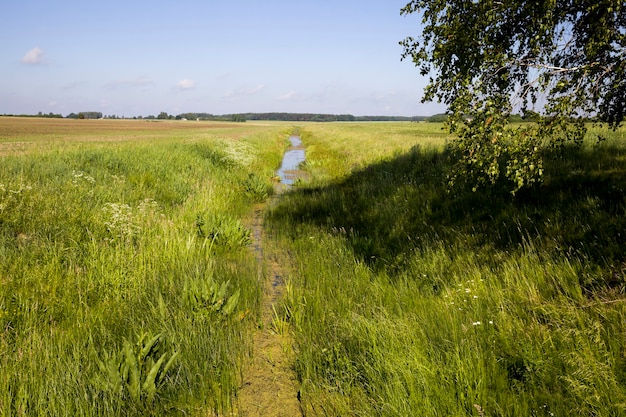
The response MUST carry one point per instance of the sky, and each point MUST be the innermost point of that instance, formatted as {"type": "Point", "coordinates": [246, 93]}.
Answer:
{"type": "Point", "coordinates": [135, 57]}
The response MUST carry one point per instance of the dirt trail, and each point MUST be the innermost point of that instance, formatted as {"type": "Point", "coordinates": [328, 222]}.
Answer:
{"type": "Point", "coordinates": [270, 387]}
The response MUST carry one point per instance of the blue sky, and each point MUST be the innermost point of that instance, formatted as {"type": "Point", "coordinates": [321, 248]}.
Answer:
{"type": "Point", "coordinates": [132, 58]}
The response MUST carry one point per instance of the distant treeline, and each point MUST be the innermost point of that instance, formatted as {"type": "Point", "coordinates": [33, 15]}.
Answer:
{"type": "Point", "coordinates": [299, 117]}
{"type": "Point", "coordinates": [81, 115]}
{"type": "Point", "coordinates": [285, 117]}
{"type": "Point", "coordinates": [40, 114]}
{"type": "Point", "coordinates": [239, 117]}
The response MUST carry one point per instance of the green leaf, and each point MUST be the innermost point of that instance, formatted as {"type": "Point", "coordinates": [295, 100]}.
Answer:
{"type": "Point", "coordinates": [149, 385]}
{"type": "Point", "coordinates": [167, 366]}
{"type": "Point", "coordinates": [147, 348]}
{"type": "Point", "coordinates": [134, 373]}
{"type": "Point", "coordinates": [231, 304]}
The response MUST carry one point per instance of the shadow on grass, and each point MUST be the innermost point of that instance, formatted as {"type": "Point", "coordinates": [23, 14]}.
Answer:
{"type": "Point", "coordinates": [389, 210]}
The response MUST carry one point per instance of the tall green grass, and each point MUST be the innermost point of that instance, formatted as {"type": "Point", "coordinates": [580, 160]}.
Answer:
{"type": "Point", "coordinates": [114, 299]}
{"type": "Point", "coordinates": [408, 298]}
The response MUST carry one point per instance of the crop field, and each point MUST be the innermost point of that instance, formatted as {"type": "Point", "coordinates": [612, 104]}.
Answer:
{"type": "Point", "coordinates": [128, 285]}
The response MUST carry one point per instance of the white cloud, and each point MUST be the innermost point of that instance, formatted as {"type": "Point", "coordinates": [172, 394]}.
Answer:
{"type": "Point", "coordinates": [256, 89]}
{"type": "Point", "coordinates": [288, 96]}
{"type": "Point", "coordinates": [33, 57]}
{"type": "Point", "coordinates": [185, 84]}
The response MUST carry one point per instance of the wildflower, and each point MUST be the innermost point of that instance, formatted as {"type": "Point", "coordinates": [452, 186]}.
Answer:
{"type": "Point", "coordinates": [80, 176]}
{"type": "Point", "coordinates": [120, 220]}
{"type": "Point", "coordinates": [148, 205]}
{"type": "Point", "coordinates": [119, 179]}
{"type": "Point", "coordinates": [476, 323]}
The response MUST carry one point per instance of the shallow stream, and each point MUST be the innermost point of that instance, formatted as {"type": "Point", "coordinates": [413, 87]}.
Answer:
{"type": "Point", "coordinates": [294, 156]}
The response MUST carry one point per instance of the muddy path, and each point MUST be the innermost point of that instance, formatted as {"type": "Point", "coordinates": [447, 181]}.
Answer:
{"type": "Point", "coordinates": [270, 387]}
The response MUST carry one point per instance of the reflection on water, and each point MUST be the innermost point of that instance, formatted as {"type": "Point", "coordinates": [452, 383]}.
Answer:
{"type": "Point", "coordinates": [293, 157]}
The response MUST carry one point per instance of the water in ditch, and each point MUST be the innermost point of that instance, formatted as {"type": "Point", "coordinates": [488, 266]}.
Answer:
{"type": "Point", "coordinates": [293, 157]}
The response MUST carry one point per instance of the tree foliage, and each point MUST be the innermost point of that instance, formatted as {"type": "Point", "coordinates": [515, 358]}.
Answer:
{"type": "Point", "coordinates": [87, 115]}
{"type": "Point", "coordinates": [563, 59]}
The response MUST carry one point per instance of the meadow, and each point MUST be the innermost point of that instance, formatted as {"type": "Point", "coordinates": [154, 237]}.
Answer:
{"type": "Point", "coordinates": [410, 298]}
{"type": "Point", "coordinates": [127, 287]}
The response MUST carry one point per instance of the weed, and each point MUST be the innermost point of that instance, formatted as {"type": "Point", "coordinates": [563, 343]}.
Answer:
{"type": "Point", "coordinates": [138, 371]}
{"type": "Point", "coordinates": [257, 189]}
{"type": "Point", "coordinates": [206, 297]}
{"type": "Point", "coordinates": [222, 230]}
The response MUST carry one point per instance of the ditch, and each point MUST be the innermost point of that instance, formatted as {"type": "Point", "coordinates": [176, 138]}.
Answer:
{"type": "Point", "coordinates": [270, 386]}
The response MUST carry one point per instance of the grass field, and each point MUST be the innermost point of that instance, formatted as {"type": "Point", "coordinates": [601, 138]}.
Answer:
{"type": "Point", "coordinates": [126, 284]}
{"type": "Point", "coordinates": [407, 299]}
{"type": "Point", "coordinates": [127, 287]}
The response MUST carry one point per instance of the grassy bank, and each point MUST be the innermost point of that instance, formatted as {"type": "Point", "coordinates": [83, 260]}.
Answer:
{"type": "Point", "coordinates": [126, 284]}
{"type": "Point", "coordinates": [408, 299]}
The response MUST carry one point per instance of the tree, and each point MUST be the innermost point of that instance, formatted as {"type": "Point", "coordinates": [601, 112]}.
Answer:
{"type": "Point", "coordinates": [563, 59]}
{"type": "Point", "coordinates": [239, 118]}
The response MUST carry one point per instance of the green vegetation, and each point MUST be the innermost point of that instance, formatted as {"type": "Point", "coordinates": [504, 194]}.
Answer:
{"type": "Point", "coordinates": [409, 298]}
{"type": "Point", "coordinates": [242, 117]}
{"type": "Point", "coordinates": [127, 287]}
{"type": "Point", "coordinates": [559, 61]}
{"type": "Point", "coordinates": [126, 284]}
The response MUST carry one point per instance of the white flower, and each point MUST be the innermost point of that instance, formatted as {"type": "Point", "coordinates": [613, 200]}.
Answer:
{"type": "Point", "coordinates": [80, 176]}
{"type": "Point", "coordinates": [476, 323]}
{"type": "Point", "coordinates": [119, 179]}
